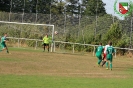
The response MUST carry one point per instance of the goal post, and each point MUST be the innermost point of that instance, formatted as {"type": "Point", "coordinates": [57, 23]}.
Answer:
{"type": "Point", "coordinates": [34, 24]}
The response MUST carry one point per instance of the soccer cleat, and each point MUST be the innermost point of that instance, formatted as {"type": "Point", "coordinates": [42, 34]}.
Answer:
{"type": "Point", "coordinates": [98, 65]}
{"type": "Point", "coordinates": [107, 68]}
{"type": "Point", "coordinates": [7, 51]}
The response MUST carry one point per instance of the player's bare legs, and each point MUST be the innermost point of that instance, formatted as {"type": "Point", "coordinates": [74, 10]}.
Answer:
{"type": "Point", "coordinates": [104, 59]}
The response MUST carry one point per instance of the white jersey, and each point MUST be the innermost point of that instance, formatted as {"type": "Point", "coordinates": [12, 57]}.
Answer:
{"type": "Point", "coordinates": [105, 49]}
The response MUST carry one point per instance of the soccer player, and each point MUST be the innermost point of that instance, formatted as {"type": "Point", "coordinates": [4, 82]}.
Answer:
{"type": "Point", "coordinates": [46, 41]}
{"type": "Point", "coordinates": [110, 51]}
{"type": "Point", "coordinates": [3, 43]}
{"type": "Point", "coordinates": [105, 54]}
{"type": "Point", "coordinates": [99, 52]}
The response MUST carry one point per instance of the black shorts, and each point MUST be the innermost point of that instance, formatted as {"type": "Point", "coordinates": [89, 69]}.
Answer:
{"type": "Point", "coordinates": [45, 44]}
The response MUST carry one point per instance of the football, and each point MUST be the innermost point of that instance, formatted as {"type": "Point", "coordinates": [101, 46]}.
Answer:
{"type": "Point", "coordinates": [56, 32]}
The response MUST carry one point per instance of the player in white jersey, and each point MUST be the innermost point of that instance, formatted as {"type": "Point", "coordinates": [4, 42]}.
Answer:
{"type": "Point", "coordinates": [105, 54]}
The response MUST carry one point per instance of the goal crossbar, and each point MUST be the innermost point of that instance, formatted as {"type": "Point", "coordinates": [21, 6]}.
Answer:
{"type": "Point", "coordinates": [25, 23]}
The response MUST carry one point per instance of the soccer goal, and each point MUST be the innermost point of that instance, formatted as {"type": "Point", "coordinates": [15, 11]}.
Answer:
{"type": "Point", "coordinates": [27, 30]}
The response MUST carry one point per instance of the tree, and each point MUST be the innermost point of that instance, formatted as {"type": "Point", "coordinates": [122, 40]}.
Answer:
{"type": "Point", "coordinates": [5, 5]}
{"type": "Point", "coordinates": [73, 7]}
{"type": "Point", "coordinates": [58, 7]}
{"type": "Point", "coordinates": [17, 6]}
{"type": "Point", "coordinates": [32, 6]}
{"type": "Point", "coordinates": [93, 7]}
{"type": "Point", "coordinates": [114, 33]}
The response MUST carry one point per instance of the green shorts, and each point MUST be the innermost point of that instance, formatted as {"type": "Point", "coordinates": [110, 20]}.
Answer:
{"type": "Point", "coordinates": [3, 45]}
{"type": "Point", "coordinates": [99, 56]}
{"type": "Point", "coordinates": [109, 57]}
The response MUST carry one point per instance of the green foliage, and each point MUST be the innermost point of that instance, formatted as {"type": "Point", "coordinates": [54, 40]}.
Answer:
{"type": "Point", "coordinates": [5, 5]}
{"type": "Point", "coordinates": [94, 7]}
{"type": "Point", "coordinates": [123, 42]}
{"type": "Point", "coordinates": [114, 33]}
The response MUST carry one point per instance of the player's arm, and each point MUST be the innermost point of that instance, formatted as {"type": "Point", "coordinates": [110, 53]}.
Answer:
{"type": "Point", "coordinates": [103, 50]}
{"type": "Point", "coordinates": [107, 51]}
{"type": "Point", "coordinates": [43, 40]}
{"type": "Point", "coordinates": [95, 50]}
{"type": "Point", "coordinates": [5, 40]}
{"type": "Point", "coordinates": [50, 39]}
{"type": "Point", "coordinates": [113, 51]}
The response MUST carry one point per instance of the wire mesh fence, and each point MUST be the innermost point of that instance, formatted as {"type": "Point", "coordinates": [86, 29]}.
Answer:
{"type": "Point", "coordinates": [81, 29]}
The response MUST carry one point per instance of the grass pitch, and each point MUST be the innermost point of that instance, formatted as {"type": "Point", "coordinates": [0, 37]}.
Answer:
{"type": "Point", "coordinates": [25, 68]}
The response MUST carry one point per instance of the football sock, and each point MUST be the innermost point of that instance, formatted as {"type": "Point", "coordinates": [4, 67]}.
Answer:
{"type": "Point", "coordinates": [110, 65]}
{"type": "Point", "coordinates": [44, 48]}
{"type": "Point", "coordinates": [99, 61]}
{"type": "Point", "coordinates": [103, 63]}
{"type": "Point", "coordinates": [107, 63]}
{"type": "Point", "coordinates": [48, 49]}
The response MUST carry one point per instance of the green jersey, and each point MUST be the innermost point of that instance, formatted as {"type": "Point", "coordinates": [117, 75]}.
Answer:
{"type": "Point", "coordinates": [47, 40]}
{"type": "Point", "coordinates": [2, 43]}
{"type": "Point", "coordinates": [110, 51]}
{"type": "Point", "coordinates": [3, 40]}
{"type": "Point", "coordinates": [99, 50]}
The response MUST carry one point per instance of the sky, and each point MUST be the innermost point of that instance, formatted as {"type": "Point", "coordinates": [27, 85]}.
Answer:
{"type": "Point", "coordinates": [110, 6]}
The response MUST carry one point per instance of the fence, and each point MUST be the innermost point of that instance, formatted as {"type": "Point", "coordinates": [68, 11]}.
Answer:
{"type": "Point", "coordinates": [70, 28]}
{"type": "Point", "coordinates": [59, 46]}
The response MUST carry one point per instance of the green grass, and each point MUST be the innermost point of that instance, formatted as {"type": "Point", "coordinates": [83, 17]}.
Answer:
{"type": "Point", "coordinates": [28, 68]}
{"type": "Point", "coordinates": [24, 49]}
{"type": "Point", "coordinates": [9, 59]}
{"type": "Point", "coordinates": [33, 81]}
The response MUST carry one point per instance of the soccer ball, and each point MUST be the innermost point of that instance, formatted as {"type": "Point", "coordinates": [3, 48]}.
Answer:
{"type": "Point", "coordinates": [56, 32]}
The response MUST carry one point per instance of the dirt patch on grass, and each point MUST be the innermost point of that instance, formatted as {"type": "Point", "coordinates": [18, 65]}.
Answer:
{"type": "Point", "coordinates": [43, 63]}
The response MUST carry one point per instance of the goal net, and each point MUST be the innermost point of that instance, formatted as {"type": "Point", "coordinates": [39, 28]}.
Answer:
{"type": "Point", "coordinates": [26, 34]}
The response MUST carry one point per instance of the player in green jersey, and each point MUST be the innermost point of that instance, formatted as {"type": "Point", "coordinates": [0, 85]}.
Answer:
{"type": "Point", "coordinates": [99, 52]}
{"type": "Point", "coordinates": [46, 42]}
{"type": "Point", "coordinates": [110, 51]}
{"type": "Point", "coordinates": [3, 43]}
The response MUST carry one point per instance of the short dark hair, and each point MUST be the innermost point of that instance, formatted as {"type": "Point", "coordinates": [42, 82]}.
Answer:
{"type": "Point", "coordinates": [5, 33]}
{"type": "Point", "coordinates": [110, 43]}
{"type": "Point", "coordinates": [100, 43]}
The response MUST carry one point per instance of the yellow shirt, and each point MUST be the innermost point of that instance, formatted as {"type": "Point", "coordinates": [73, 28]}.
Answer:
{"type": "Point", "coordinates": [46, 40]}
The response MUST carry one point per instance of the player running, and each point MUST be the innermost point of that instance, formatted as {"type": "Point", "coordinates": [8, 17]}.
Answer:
{"type": "Point", "coordinates": [46, 42]}
{"type": "Point", "coordinates": [99, 52]}
{"type": "Point", "coordinates": [3, 43]}
{"type": "Point", "coordinates": [105, 54]}
{"type": "Point", "coordinates": [110, 51]}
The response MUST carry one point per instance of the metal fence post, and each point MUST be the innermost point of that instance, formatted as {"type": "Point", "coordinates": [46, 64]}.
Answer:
{"type": "Point", "coordinates": [36, 45]}
{"type": "Point", "coordinates": [18, 42]}
{"type": "Point", "coordinates": [94, 51]}
{"type": "Point", "coordinates": [54, 46]}
{"type": "Point", "coordinates": [73, 48]}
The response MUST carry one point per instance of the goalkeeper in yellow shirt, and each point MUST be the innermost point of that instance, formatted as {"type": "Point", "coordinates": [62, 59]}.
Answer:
{"type": "Point", "coordinates": [46, 42]}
